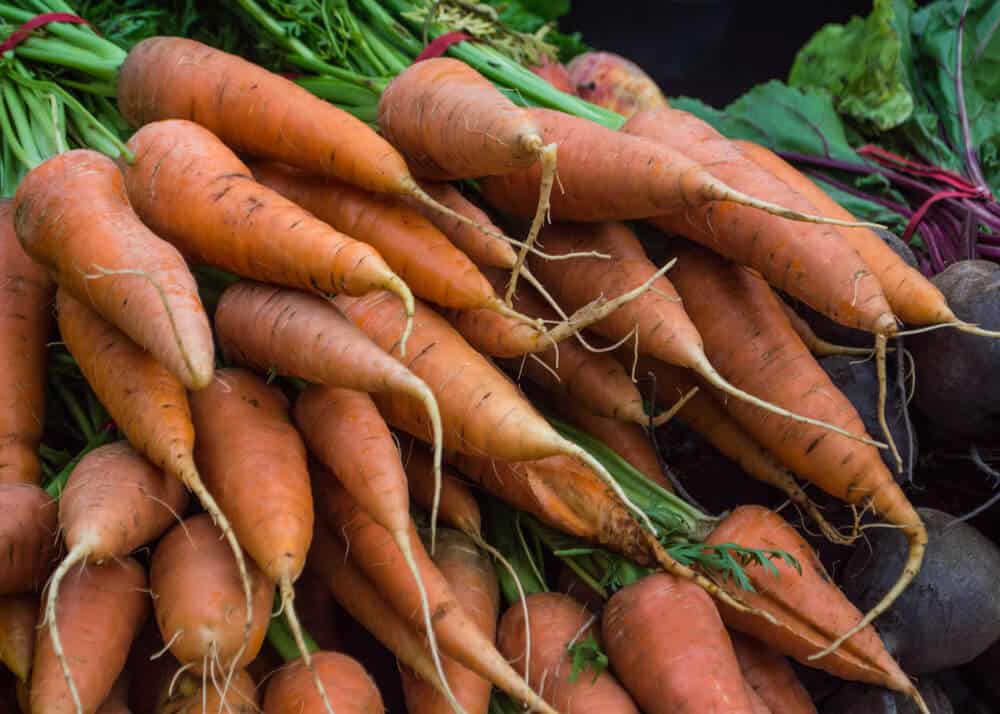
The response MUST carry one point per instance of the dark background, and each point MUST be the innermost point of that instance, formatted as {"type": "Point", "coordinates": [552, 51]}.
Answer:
{"type": "Point", "coordinates": [711, 49]}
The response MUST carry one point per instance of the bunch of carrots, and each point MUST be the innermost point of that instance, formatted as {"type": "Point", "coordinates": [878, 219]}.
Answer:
{"type": "Point", "coordinates": [286, 322]}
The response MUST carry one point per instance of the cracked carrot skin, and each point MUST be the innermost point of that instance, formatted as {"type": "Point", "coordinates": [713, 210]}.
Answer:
{"type": "Point", "coordinates": [71, 215]}
{"type": "Point", "coordinates": [26, 318]}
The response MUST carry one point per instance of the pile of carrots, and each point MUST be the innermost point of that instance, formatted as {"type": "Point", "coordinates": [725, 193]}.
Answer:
{"type": "Point", "coordinates": [294, 321]}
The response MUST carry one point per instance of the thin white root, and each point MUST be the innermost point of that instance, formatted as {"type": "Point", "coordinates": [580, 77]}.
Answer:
{"type": "Point", "coordinates": [661, 419]}
{"type": "Point", "coordinates": [288, 605]}
{"type": "Point", "coordinates": [880, 345]}
{"type": "Point", "coordinates": [571, 449]}
{"type": "Point", "coordinates": [744, 199]}
{"type": "Point", "coordinates": [402, 290]}
{"type": "Point", "coordinates": [547, 156]}
{"type": "Point", "coordinates": [423, 393]}
{"type": "Point", "coordinates": [77, 554]}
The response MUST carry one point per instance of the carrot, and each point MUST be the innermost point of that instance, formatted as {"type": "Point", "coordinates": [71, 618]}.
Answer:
{"type": "Point", "coordinates": [18, 615]}
{"type": "Point", "coordinates": [114, 502]}
{"type": "Point", "coordinates": [750, 340]}
{"type": "Point", "coordinates": [376, 553]}
{"type": "Point", "coordinates": [259, 113]}
{"type": "Point", "coordinates": [232, 222]}
{"type": "Point", "coordinates": [458, 508]}
{"type": "Point", "coordinates": [470, 574]}
{"type": "Point", "coordinates": [99, 613]}
{"type": "Point", "coordinates": [629, 178]}
{"type": "Point", "coordinates": [668, 646]}
{"type": "Point", "coordinates": [199, 603]}
{"type": "Point", "coordinates": [913, 298]}
{"type": "Point", "coordinates": [352, 690]}
{"type": "Point", "coordinates": [195, 695]}
{"type": "Point", "coordinates": [148, 404]}
{"type": "Point", "coordinates": [658, 321]}
{"type": "Point", "coordinates": [771, 676]}
{"type": "Point", "coordinates": [99, 251]}
{"type": "Point", "coordinates": [302, 335]}
{"type": "Point", "coordinates": [812, 263]}
{"type": "Point", "coordinates": [26, 318]}
{"type": "Point", "coordinates": [28, 537]}
{"type": "Point", "coordinates": [757, 703]}
{"type": "Point", "coordinates": [614, 82]}
{"type": "Point", "coordinates": [816, 344]}
{"type": "Point", "coordinates": [117, 700]}
{"type": "Point", "coordinates": [557, 622]}
{"type": "Point", "coordinates": [809, 607]}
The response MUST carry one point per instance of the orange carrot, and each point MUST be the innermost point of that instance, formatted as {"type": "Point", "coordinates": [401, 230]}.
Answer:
{"type": "Point", "coordinates": [751, 342]}
{"type": "Point", "coordinates": [199, 603]}
{"type": "Point", "coordinates": [28, 536]}
{"type": "Point", "coordinates": [26, 319]}
{"type": "Point", "coordinates": [352, 690]}
{"type": "Point", "coordinates": [812, 263]}
{"type": "Point", "coordinates": [234, 223]}
{"type": "Point", "coordinates": [101, 253]}
{"type": "Point", "coordinates": [18, 615]}
{"type": "Point", "coordinates": [193, 695]}
{"type": "Point", "coordinates": [558, 621]}
{"type": "Point", "coordinates": [614, 82]}
{"type": "Point", "coordinates": [470, 574]}
{"type": "Point", "coordinates": [668, 646]}
{"type": "Point", "coordinates": [100, 611]}
{"type": "Point", "coordinates": [811, 610]}
{"type": "Point", "coordinates": [771, 676]}
{"type": "Point", "coordinates": [458, 507]}
{"type": "Point", "coordinates": [816, 344]}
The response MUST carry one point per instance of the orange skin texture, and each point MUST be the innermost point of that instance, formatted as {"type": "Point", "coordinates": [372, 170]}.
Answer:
{"type": "Point", "coordinates": [471, 575]}
{"type": "Point", "coordinates": [757, 703]}
{"type": "Point", "coordinates": [18, 617]}
{"type": "Point", "coordinates": [99, 251]}
{"type": "Point", "coordinates": [198, 592]}
{"type": "Point", "coordinates": [614, 82]}
{"type": "Point", "coordinates": [452, 123]}
{"type": "Point", "coordinates": [555, 620]}
{"type": "Point", "coordinates": [771, 676]}
{"type": "Point", "coordinates": [412, 246]}
{"type": "Point", "coordinates": [241, 697]}
{"type": "Point", "coordinates": [146, 402]}
{"type": "Point", "coordinates": [752, 344]}
{"type": "Point", "coordinates": [258, 472]}
{"type": "Point", "coordinates": [481, 409]}
{"type": "Point", "coordinates": [115, 502]}
{"type": "Point", "coordinates": [914, 298]}
{"type": "Point", "coordinates": [664, 329]}
{"type": "Point", "coordinates": [254, 111]}
{"type": "Point", "coordinates": [117, 701]}
{"type": "Point", "coordinates": [28, 542]}
{"type": "Point", "coordinates": [811, 608]}
{"type": "Point", "coordinates": [99, 613]}
{"type": "Point", "coordinates": [27, 293]}
{"type": "Point", "coordinates": [628, 178]}
{"type": "Point", "coordinates": [812, 262]}
{"type": "Point", "coordinates": [684, 664]}
{"type": "Point", "coordinates": [555, 74]}
{"type": "Point", "coordinates": [234, 223]}
{"type": "Point", "coordinates": [349, 687]}
{"type": "Point", "coordinates": [458, 507]}
{"type": "Point", "coordinates": [483, 249]}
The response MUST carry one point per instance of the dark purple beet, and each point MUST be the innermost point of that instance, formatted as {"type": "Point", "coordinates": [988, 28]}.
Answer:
{"type": "Point", "coordinates": [855, 698]}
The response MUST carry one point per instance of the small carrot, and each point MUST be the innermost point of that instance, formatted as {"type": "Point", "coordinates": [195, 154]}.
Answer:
{"type": "Point", "coordinates": [99, 251]}
{"type": "Point", "coordinates": [232, 222]}
{"type": "Point", "coordinates": [26, 319]}
{"type": "Point", "coordinates": [351, 688]}
{"type": "Point", "coordinates": [18, 616]}
{"type": "Point", "coordinates": [28, 536]}
{"type": "Point", "coordinates": [771, 676]}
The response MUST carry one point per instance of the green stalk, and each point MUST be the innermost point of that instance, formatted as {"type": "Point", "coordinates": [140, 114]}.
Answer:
{"type": "Point", "coordinates": [282, 641]}
{"type": "Point", "coordinates": [338, 92]}
{"type": "Point", "coordinates": [80, 35]}
{"type": "Point", "coordinates": [61, 54]}
{"type": "Point", "coordinates": [56, 486]}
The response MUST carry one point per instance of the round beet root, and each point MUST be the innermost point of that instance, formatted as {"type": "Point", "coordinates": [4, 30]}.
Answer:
{"type": "Point", "coordinates": [950, 613]}
{"type": "Point", "coordinates": [958, 374]}
{"type": "Point", "coordinates": [854, 698]}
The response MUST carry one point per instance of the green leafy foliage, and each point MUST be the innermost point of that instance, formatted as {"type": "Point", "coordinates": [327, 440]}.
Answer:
{"type": "Point", "coordinates": [728, 560]}
{"type": "Point", "coordinates": [587, 654]}
{"type": "Point", "coordinates": [538, 17]}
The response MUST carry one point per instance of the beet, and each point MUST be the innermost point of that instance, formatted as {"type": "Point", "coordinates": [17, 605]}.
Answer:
{"type": "Point", "coordinates": [854, 698]}
{"type": "Point", "coordinates": [950, 613]}
{"type": "Point", "coordinates": [958, 374]}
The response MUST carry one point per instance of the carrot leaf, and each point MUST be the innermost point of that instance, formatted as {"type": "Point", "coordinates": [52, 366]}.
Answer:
{"type": "Point", "coordinates": [587, 654]}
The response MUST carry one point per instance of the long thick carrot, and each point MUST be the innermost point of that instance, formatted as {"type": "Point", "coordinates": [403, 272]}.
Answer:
{"type": "Point", "coordinates": [667, 644]}
{"type": "Point", "coordinates": [28, 536]}
{"type": "Point", "coordinates": [751, 342]}
{"type": "Point", "coordinates": [114, 502]}
{"type": "Point", "coordinates": [458, 508]}
{"type": "Point", "coordinates": [18, 615]}
{"type": "Point", "coordinates": [558, 621]}
{"type": "Point", "coordinates": [470, 574]}
{"type": "Point", "coordinates": [72, 216]}
{"type": "Point", "coordinates": [27, 292]}
{"type": "Point", "coordinates": [234, 223]}
{"type": "Point", "coordinates": [770, 675]}
{"type": "Point", "coordinates": [351, 688]}
{"type": "Point", "coordinates": [148, 404]}
{"type": "Point", "coordinates": [199, 603]}
{"type": "Point", "coordinates": [100, 611]}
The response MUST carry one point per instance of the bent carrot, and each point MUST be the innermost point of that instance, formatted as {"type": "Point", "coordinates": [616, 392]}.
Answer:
{"type": "Point", "coordinates": [28, 536]}
{"type": "Point", "coordinates": [234, 223]}
{"type": "Point", "coordinates": [771, 676]}
{"type": "Point", "coordinates": [147, 403]}
{"type": "Point", "coordinates": [351, 688]}
{"type": "Point", "coordinates": [458, 507]}
{"type": "Point", "coordinates": [26, 320]}
{"type": "Point", "coordinates": [666, 642]}
{"type": "Point", "coordinates": [18, 615]}
{"type": "Point", "coordinates": [99, 614]}
{"type": "Point", "coordinates": [99, 251]}
{"type": "Point", "coordinates": [557, 622]}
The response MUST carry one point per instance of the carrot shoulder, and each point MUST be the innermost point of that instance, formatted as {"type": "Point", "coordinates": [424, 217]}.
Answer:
{"type": "Point", "coordinates": [28, 536]}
